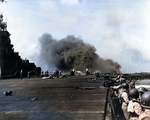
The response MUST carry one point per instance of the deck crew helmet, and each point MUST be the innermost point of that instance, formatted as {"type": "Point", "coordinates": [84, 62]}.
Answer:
{"type": "Point", "coordinates": [125, 85]}
{"type": "Point", "coordinates": [142, 90]}
{"type": "Point", "coordinates": [133, 93]}
{"type": "Point", "coordinates": [145, 100]}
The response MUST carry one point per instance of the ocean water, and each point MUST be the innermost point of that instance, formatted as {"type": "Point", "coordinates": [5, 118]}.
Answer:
{"type": "Point", "coordinates": [143, 83]}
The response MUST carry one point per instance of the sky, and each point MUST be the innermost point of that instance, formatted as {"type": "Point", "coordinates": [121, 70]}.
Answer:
{"type": "Point", "coordinates": [119, 29]}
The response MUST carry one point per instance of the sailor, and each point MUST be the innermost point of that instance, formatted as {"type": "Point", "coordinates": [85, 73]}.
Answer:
{"type": "Point", "coordinates": [134, 107]}
{"type": "Point", "coordinates": [117, 89]}
{"type": "Point", "coordinates": [145, 103]}
{"type": "Point", "coordinates": [87, 71]}
{"type": "Point", "coordinates": [29, 74]}
{"type": "Point", "coordinates": [120, 79]}
{"type": "Point", "coordinates": [72, 72]}
{"type": "Point", "coordinates": [21, 74]}
{"type": "Point", "coordinates": [10, 92]}
{"type": "Point", "coordinates": [141, 91]}
{"type": "Point", "coordinates": [124, 97]}
{"type": "Point", "coordinates": [131, 85]}
{"type": "Point", "coordinates": [7, 93]}
{"type": "Point", "coordinates": [57, 72]}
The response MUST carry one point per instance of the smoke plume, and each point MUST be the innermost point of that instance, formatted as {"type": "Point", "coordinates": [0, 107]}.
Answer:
{"type": "Point", "coordinates": [72, 52]}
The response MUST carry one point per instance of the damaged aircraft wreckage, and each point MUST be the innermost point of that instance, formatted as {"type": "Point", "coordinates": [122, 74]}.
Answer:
{"type": "Point", "coordinates": [82, 86]}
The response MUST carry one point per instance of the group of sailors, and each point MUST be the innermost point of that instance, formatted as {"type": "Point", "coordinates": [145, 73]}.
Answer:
{"type": "Point", "coordinates": [135, 103]}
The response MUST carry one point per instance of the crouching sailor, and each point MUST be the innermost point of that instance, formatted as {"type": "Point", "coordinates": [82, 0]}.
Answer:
{"type": "Point", "coordinates": [145, 100]}
{"type": "Point", "coordinates": [124, 96]}
{"type": "Point", "coordinates": [134, 107]}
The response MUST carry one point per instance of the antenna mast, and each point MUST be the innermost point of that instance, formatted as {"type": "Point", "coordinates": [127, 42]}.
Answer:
{"type": "Point", "coordinates": [3, 25]}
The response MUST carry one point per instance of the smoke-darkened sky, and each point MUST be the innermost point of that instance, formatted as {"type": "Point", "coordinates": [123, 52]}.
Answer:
{"type": "Point", "coordinates": [118, 29]}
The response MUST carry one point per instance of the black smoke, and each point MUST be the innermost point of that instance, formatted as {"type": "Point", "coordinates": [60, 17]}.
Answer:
{"type": "Point", "coordinates": [72, 52]}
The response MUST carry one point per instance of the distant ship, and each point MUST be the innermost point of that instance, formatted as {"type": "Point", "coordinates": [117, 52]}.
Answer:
{"type": "Point", "coordinates": [10, 62]}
